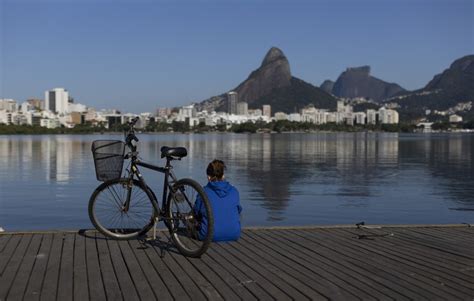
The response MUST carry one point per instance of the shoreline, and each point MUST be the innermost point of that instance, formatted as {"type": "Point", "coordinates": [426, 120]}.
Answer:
{"type": "Point", "coordinates": [460, 131]}
{"type": "Point", "coordinates": [289, 227]}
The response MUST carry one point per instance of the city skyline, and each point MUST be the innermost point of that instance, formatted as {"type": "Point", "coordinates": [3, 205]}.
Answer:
{"type": "Point", "coordinates": [136, 57]}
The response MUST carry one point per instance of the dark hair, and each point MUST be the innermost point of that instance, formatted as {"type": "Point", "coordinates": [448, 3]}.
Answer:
{"type": "Point", "coordinates": [215, 170]}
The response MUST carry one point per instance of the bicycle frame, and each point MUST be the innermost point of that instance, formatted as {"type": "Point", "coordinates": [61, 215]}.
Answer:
{"type": "Point", "coordinates": [167, 185]}
{"type": "Point", "coordinates": [167, 170]}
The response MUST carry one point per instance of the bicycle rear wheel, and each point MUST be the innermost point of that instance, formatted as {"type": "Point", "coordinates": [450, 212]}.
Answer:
{"type": "Point", "coordinates": [190, 219]}
{"type": "Point", "coordinates": [108, 214]}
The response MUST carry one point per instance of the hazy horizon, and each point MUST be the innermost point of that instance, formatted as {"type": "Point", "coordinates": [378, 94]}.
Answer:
{"type": "Point", "coordinates": [137, 56]}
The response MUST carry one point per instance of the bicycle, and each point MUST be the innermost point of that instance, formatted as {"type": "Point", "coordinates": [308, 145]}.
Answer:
{"type": "Point", "coordinates": [127, 208]}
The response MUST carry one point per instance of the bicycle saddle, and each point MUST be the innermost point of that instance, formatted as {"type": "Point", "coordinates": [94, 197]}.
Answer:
{"type": "Point", "coordinates": [174, 152]}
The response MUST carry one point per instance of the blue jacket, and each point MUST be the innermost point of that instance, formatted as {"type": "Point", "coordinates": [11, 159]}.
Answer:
{"type": "Point", "coordinates": [225, 204]}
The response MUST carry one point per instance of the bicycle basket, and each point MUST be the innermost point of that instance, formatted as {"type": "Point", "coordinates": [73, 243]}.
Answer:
{"type": "Point", "coordinates": [108, 159]}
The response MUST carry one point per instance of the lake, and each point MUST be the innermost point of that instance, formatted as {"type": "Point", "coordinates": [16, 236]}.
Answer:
{"type": "Point", "coordinates": [283, 179]}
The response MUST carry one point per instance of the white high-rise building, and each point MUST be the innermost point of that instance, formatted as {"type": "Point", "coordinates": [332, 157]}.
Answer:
{"type": "Point", "coordinates": [359, 117]}
{"type": "Point", "coordinates": [242, 108]}
{"type": "Point", "coordinates": [371, 116]}
{"type": "Point", "coordinates": [56, 100]}
{"type": "Point", "coordinates": [455, 118]}
{"type": "Point", "coordinates": [232, 100]}
{"type": "Point", "coordinates": [340, 106]}
{"type": "Point", "coordinates": [387, 116]}
{"type": "Point", "coordinates": [267, 111]}
{"type": "Point", "coordinates": [9, 105]}
{"type": "Point", "coordinates": [281, 116]}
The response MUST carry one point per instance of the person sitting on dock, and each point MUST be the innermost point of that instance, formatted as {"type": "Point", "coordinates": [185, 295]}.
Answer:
{"type": "Point", "coordinates": [225, 202]}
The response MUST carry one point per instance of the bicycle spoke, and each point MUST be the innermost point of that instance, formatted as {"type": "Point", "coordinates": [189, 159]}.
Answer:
{"type": "Point", "coordinates": [112, 217]}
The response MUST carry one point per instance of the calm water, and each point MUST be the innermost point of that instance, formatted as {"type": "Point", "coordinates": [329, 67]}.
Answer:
{"type": "Point", "coordinates": [284, 179]}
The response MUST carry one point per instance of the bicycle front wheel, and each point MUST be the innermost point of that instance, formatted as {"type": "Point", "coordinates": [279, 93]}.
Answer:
{"type": "Point", "coordinates": [110, 214]}
{"type": "Point", "coordinates": [190, 219]}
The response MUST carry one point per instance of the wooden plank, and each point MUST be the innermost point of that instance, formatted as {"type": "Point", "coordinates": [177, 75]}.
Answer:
{"type": "Point", "coordinates": [111, 285]}
{"type": "Point", "coordinates": [222, 287]}
{"type": "Point", "coordinates": [198, 277]}
{"type": "Point", "coordinates": [391, 238]}
{"type": "Point", "coordinates": [332, 279]}
{"type": "Point", "coordinates": [316, 264]}
{"type": "Point", "coordinates": [337, 270]}
{"type": "Point", "coordinates": [390, 276]}
{"type": "Point", "coordinates": [272, 289]}
{"type": "Point", "coordinates": [447, 262]}
{"type": "Point", "coordinates": [8, 252]}
{"type": "Point", "coordinates": [242, 279]}
{"type": "Point", "coordinates": [151, 274]}
{"type": "Point", "coordinates": [283, 267]}
{"type": "Point", "coordinates": [191, 289]}
{"type": "Point", "coordinates": [124, 279]}
{"type": "Point", "coordinates": [66, 270]}
{"type": "Point", "coordinates": [141, 283]}
{"type": "Point", "coordinates": [384, 263]}
{"type": "Point", "coordinates": [22, 277]}
{"type": "Point", "coordinates": [413, 256]}
{"type": "Point", "coordinates": [4, 238]}
{"type": "Point", "coordinates": [466, 230]}
{"type": "Point", "coordinates": [13, 265]}
{"type": "Point", "coordinates": [409, 259]}
{"type": "Point", "coordinates": [449, 236]}
{"type": "Point", "coordinates": [50, 284]}
{"type": "Point", "coordinates": [437, 234]}
{"type": "Point", "coordinates": [432, 243]}
{"type": "Point", "coordinates": [94, 277]}
{"type": "Point", "coordinates": [226, 276]}
{"type": "Point", "coordinates": [174, 287]}
{"type": "Point", "coordinates": [38, 273]}
{"type": "Point", "coordinates": [308, 249]}
{"type": "Point", "coordinates": [268, 272]}
{"type": "Point", "coordinates": [455, 233]}
{"type": "Point", "coordinates": [81, 287]}
{"type": "Point", "coordinates": [440, 257]}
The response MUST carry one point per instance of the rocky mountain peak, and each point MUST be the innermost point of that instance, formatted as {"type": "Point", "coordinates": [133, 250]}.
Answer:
{"type": "Point", "coordinates": [327, 86]}
{"type": "Point", "coordinates": [362, 70]}
{"type": "Point", "coordinates": [273, 55]}
{"type": "Point", "coordinates": [464, 64]}
{"type": "Point", "coordinates": [357, 82]}
{"type": "Point", "coordinates": [272, 84]}
{"type": "Point", "coordinates": [459, 76]}
{"type": "Point", "coordinates": [273, 73]}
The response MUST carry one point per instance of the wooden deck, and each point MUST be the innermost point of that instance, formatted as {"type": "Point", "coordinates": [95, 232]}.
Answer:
{"type": "Point", "coordinates": [342, 263]}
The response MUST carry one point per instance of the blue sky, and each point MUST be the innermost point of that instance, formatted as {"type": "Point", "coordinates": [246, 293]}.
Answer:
{"type": "Point", "coordinates": [139, 55]}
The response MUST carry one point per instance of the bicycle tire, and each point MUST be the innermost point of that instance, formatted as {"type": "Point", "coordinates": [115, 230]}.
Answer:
{"type": "Point", "coordinates": [182, 223]}
{"type": "Point", "coordinates": [118, 226]}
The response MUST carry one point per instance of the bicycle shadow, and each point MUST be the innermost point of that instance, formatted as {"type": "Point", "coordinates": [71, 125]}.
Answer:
{"type": "Point", "coordinates": [161, 242]}
{"type": "Point", "coordinates": [164, 244]}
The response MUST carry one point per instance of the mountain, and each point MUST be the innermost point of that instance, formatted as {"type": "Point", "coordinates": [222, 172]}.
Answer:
{"type": "Point", "coordinates": [273, 84]}
{"type": "Point", "coordinates": [327, 86]}
{"type": "Point", "coordinates": [457, 79]}
{"type": "Point", "coordinates": [273, 73]}
{"type": "Point", "coordinates": [445, 90]}
{"type": "Point", "coordinates": [357, 82]}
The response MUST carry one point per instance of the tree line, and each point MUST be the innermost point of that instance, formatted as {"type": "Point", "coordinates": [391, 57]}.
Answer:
{"type": "Point", "coordinates": [247, 127]}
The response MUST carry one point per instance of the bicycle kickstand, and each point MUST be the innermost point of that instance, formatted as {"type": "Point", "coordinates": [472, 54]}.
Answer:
{"type": "Point", "coordinates": [154, 229]}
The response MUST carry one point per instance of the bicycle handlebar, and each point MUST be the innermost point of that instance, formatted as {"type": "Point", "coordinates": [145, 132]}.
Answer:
{"type": "Point", "coordinates": [130, 135]}
{"type": "Point", "coordinates": [133, 121]}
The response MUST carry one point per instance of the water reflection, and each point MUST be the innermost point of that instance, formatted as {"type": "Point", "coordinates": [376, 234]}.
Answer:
{"type": "Point", "coordinates": [283, 179]}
